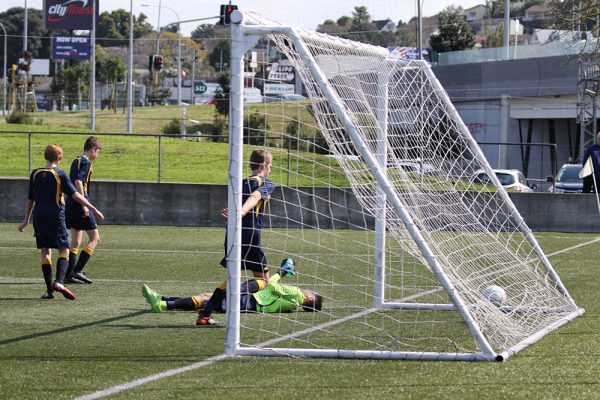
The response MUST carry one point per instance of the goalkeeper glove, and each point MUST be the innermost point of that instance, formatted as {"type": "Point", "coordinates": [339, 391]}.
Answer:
{"type": "Point", "coordinates": [287, 268]}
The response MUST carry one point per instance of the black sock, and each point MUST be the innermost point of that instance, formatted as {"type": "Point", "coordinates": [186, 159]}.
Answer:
{"type": "Point", "coordinates": [61, 268]}
{"type": "Point", "coordinates": [72, 263]}
{"type": "Point", "coordinates": [184, 303]}
{"type": "Point", "coordinates": [169, 298]}
{"type": "Point", "coordinates": [47, 272]}
{"type": "Point", "coordinates": [84, 257]}
{"type": "Point", "coordinates": [216, 297]}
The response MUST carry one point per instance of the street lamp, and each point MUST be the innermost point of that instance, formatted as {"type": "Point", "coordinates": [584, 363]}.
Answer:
{"type": "Point", "coordinates": [4, 69]}
{"type": "Point", "coordinates": [178, 48]}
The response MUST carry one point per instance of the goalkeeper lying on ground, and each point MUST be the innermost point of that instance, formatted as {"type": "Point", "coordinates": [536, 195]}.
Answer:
{"type": "Point", "coordinates": [274, 298]}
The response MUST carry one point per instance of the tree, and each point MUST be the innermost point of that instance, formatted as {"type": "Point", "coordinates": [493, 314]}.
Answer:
{"type": "Point", "coordinates": [344, 21]}
{"type": "Point", "coordinates": [113, 28]}
{"type": "Point", "coordinates": [581, 16]}
{"type": "Point", "coordinates": [219, 57]}
{"type": "Point", "coordinates": [454, 32]}
{"type": "Point", "coordinates": [38, 41]}
{"type": "Point", "coordinates": [110, 70]}
{"type": "Point", "coordinates": [222, 95]}
{"type": "Point", "coordinates": [203, 31]}
{"type": "Point", "coordinates": [75, 82]}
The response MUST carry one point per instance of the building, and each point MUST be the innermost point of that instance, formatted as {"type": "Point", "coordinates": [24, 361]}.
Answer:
{"type": "Point", "coordinates": [535, 12]}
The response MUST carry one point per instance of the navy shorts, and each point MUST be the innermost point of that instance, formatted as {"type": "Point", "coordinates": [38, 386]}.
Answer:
{"type": "Point", "coordinates": [81, 223]}
{"type": "Point", "coordinates": [253, 259]}
{"type": "Point", "coordinates": [52, 242]}
{"type": "Point", "coordinates": [247, 304]}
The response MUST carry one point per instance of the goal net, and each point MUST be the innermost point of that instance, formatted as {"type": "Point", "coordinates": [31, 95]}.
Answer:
{"type": "Point", "coordinates": [377, 204]}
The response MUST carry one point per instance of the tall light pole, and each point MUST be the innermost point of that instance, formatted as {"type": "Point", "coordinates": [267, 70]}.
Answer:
{"type": "Point", "coordinates": [130, 70]}
{"type": "Point", "coordinates": [93, 62]}
{"type": "Point", "coordinates": [420, 32]}
{"type": "Point", "coordinates": [178, 23]}
{"type": "Point", "coordinates": [25, 30]}
{"type": "Point", "coordinates": [4, 73]}
{"type": "Point", "coordinates": [158, 28]}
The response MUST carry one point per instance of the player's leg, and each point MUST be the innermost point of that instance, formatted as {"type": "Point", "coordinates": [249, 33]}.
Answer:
{"type": "Point", "coordinates": [46, 260]}
{"type": "Point", "coordinates": [61, 268]}
{"type": "Point", "coordinates": [76, 237]}
{"type": "Point", "coordinates": [255, 261]}
{"type": "Point", "coordinates": [86, 253]}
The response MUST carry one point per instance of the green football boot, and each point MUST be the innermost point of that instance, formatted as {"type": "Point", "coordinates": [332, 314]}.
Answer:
{"type": "Point", "coordinates": [155, 299]}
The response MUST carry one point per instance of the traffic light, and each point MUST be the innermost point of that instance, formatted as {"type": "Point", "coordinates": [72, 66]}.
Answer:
{"type": "Point", "coordinates": [156, 62]}
{"type": "Point", "coordinates": [226, 10]}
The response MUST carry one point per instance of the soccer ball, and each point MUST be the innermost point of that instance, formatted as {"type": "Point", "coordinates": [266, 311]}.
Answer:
{"type": "Point", "coordinates": [495, 295]}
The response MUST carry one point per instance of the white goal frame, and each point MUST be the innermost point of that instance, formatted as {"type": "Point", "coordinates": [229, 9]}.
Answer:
{"type": "Point", "coordinates": [246, 29]}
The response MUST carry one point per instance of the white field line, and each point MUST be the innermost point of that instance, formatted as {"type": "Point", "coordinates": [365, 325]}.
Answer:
{"type": "Point", "coordinates": [29, 249]}
{"type": "Point", "coordinates": [573, 247]}
{"type": "Point", "coordinates": [211, 360]}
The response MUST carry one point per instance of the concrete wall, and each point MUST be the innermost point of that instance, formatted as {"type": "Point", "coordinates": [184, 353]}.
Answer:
{"type": "Point", "coordinates": [139, 203]}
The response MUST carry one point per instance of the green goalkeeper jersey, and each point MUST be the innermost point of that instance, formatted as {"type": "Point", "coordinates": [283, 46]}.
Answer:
{"type": "Point", "coordinates": [277, 297]}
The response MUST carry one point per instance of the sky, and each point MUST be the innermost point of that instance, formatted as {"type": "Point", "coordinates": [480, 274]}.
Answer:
{"type": "Point", "coordinates": [302, 13]}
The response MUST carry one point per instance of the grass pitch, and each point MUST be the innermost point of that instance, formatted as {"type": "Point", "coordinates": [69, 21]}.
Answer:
{"type": "Point", "coordinates": [107, 337]}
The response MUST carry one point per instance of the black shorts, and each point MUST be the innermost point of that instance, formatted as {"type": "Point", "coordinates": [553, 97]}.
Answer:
{"type": "Point", "coordinates": [253, 259]}
{"type": "Point", "coordinates": [81, 223]}
{"type": "Point", "coordinates": [52, 242]}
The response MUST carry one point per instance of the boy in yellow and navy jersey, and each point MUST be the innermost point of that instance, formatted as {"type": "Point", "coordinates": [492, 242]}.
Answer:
{"type": "Point", "coordinates": [256, 192]}
{"type": "Point", "coordinates": [79, 218]}
{"type": "Point", "coordinates": [45, 202]}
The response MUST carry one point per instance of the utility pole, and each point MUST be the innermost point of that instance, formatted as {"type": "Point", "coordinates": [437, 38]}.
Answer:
{"type": "Point", "coordinates": [193, 101]}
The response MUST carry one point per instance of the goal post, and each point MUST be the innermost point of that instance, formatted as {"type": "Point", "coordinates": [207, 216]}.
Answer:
{"type": "Point", "coordinates": [382, 215]}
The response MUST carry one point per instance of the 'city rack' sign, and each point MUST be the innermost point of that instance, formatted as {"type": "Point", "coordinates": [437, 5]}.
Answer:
{"type": "Point", "coordinates": [69, 14]}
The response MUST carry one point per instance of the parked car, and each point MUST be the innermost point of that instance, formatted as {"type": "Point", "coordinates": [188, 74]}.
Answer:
{"type": "Point", "coordinates": [510, 179]}
{"type": "Point", "coordinates": [410, 166]}
{"type": "Point", "coordinates": [284, 97]}
{"type": "Point", "coordinates": [567, 179]}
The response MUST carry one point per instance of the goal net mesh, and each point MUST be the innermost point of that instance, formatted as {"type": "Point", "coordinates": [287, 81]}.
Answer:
{"type": "Point", "coordinates": [324, 211]}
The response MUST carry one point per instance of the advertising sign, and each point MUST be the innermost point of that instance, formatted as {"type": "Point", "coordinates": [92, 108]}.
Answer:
{"type": "Point", "coordinates": [278, 88]}
{"type": "Point", "coordinates": [69, 14]}
{"type": "Point", "coordinates": [71, 47]}
{"type": "Point", "coordinates": [200, 87]}
{"type": "Point", "coordinates": [281, 73]}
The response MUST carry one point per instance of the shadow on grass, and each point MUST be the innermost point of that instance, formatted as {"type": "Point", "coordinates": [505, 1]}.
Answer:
{"type": "Point", "coordinates": [71, 328]}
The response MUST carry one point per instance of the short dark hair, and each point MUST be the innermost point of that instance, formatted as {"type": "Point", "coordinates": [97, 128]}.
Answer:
{"type": "Point", "coordinates": [53, 152]}
{"type": "Point", "coordinates": [315, 305]}
{"type": "Point", "coordinates": [91, 142]}
{"type": "Point", "coordinates": [258, 157]}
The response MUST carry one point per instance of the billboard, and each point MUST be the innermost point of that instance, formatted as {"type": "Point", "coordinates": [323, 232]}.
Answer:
{"type": "Point", "coordinates": [71, 47]}
{"type": "Point", "coordinates": [69, 14]}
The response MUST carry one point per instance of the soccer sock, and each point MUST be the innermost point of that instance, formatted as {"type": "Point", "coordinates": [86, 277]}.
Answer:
{"type": "Point", "coordinates": [61, 267]}
{"type": "Point", "coordinates": [72, 260]}
{"type": "Point", "coordinates": [84, 257]}
{"type": "Point", "coordinates": [216, 297]}
{"type": "Point", "coordinates": [47, 272]}
{"type": "Point", "coordinates": [169, 298]}
{"type": "Point", "coordinates": [185, 303]}
{"type": "Point", "coordinates": [253, 286]}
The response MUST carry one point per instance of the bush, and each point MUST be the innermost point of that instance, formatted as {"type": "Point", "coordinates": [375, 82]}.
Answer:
{"type": "Point", "coordinates": [19, 118]}
{"type": "Point", "coordinates": [172, 128]}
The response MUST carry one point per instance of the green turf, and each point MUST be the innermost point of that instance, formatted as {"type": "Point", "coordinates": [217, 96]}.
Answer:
{"type": "Point", "coordinates": [60, 349]}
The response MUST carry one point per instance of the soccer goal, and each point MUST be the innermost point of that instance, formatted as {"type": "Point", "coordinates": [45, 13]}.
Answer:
{"type": "Point", "coordinates": [377, 205]}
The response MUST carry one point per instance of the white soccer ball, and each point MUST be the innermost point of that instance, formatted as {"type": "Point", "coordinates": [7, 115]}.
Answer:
{"type": "Point", "coordinates": [495, 295]}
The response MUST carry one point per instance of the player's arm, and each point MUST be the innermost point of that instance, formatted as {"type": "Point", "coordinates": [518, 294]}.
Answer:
{"type": "Point", "coordinates": [251, 202]}
{"type": "Point", "coordinates": [83, 201]}
{"type": "Point", "coordinates": [28, 209]}
{"type": "Point", "coordinates": [79, 187]}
